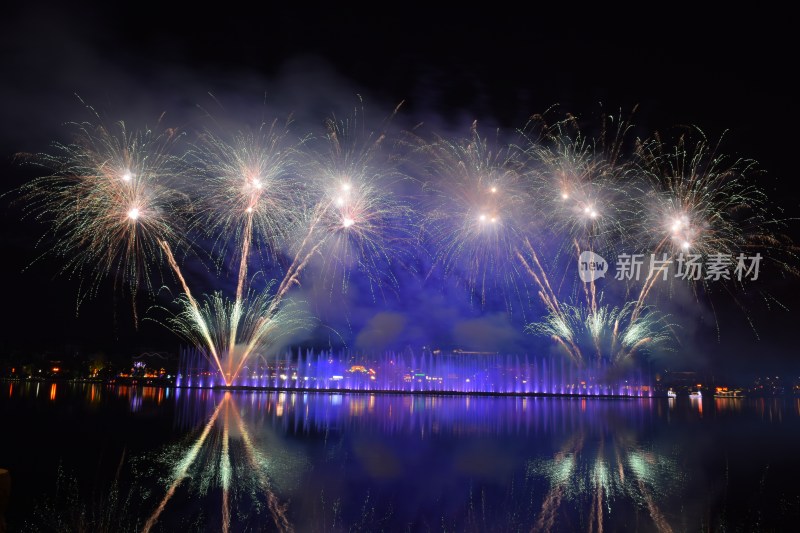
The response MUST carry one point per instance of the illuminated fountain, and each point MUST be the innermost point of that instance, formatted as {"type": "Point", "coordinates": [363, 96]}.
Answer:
{"type": "Point", "coordinates": [416, 373]}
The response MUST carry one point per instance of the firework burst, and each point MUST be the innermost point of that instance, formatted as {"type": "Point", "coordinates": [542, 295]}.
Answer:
{"type": "Point", "coordinates": [124, 204]}
{"type": "Point", "coordinates": [497, 216]}
{"type": "Point", "coordinates": [359, 224]}
{"type": "Point", "coordinates": [580, 184]}
{"type": "Point", "coordinates": [110, 201]}
{"type": "Point", "coordinates": [699, 200]}
{"type": "Point", "coordinates": [698, 204]}
{"type": "Point", "coordinates": [583, 184]}
{"type": "Point", "coordinates": [337, 207]}
{"type": "Point", "coordinates": [245, 204]}
{"type": "Point", "coordinates": [247, 189]}
{"type": "Point", "coordinates": [482, 209]}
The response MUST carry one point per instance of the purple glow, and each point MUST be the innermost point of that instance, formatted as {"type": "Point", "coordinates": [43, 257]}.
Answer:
{"type": "Point", "coordinates": [460, 373]}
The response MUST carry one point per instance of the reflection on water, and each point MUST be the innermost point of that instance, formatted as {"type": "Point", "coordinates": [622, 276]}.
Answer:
{"type": "Point", "coordinates": [283, 461]}
{"type": "Point", "coordinates": [299, 412]}
{"type": "Point", "coordinates": [595, 475]}
{"type": "Point", "coordinates": [224, 457]}
{"type": "Point", "coordinates": [697, 405]}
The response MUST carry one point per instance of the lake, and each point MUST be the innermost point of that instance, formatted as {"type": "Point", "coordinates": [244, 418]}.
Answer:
{"type": "Point", "coordinates": [105, 458]}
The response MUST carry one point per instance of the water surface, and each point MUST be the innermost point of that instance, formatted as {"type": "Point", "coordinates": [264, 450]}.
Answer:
{"type": "Point", "coordinates": [125, 458]}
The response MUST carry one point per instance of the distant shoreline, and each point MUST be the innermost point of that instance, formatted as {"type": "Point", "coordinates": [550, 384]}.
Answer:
{"type": "Point", "coordinates": [245, 388]}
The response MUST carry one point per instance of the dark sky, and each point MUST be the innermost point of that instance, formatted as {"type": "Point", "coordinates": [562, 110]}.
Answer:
{"type": "Point", "coordinates": [728, 70]}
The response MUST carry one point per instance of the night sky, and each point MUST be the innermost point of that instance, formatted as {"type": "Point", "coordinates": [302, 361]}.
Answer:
{"type": "Point", "coordinates": [498, 65]}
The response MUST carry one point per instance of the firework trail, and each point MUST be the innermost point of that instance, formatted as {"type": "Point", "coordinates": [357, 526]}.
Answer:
{"type": "Point", "coordinates": [486, 200]}
{"type": "Point", "coordinates": [563, 179]}
{"type": "Point", "coordinates": [260, 324]}
{"type": "Point", "coordinates": [121, 203]}
{"type": "Point", "coordinates": [259, 194]}
{"type": "Point", "coordinates": [246, 194]}
{"type": "Point", "coordinates": [584, 184]}
{"type": "Point", "coordinates": [664, 202]}
{"type": "Point", "coordinates": [194, 312]}
{"type": "Point", "coordinates": [507, 219]}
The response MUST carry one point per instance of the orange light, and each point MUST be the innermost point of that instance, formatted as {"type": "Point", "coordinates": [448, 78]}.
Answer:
{"type": "Point", "coordinates": [56, 369]}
